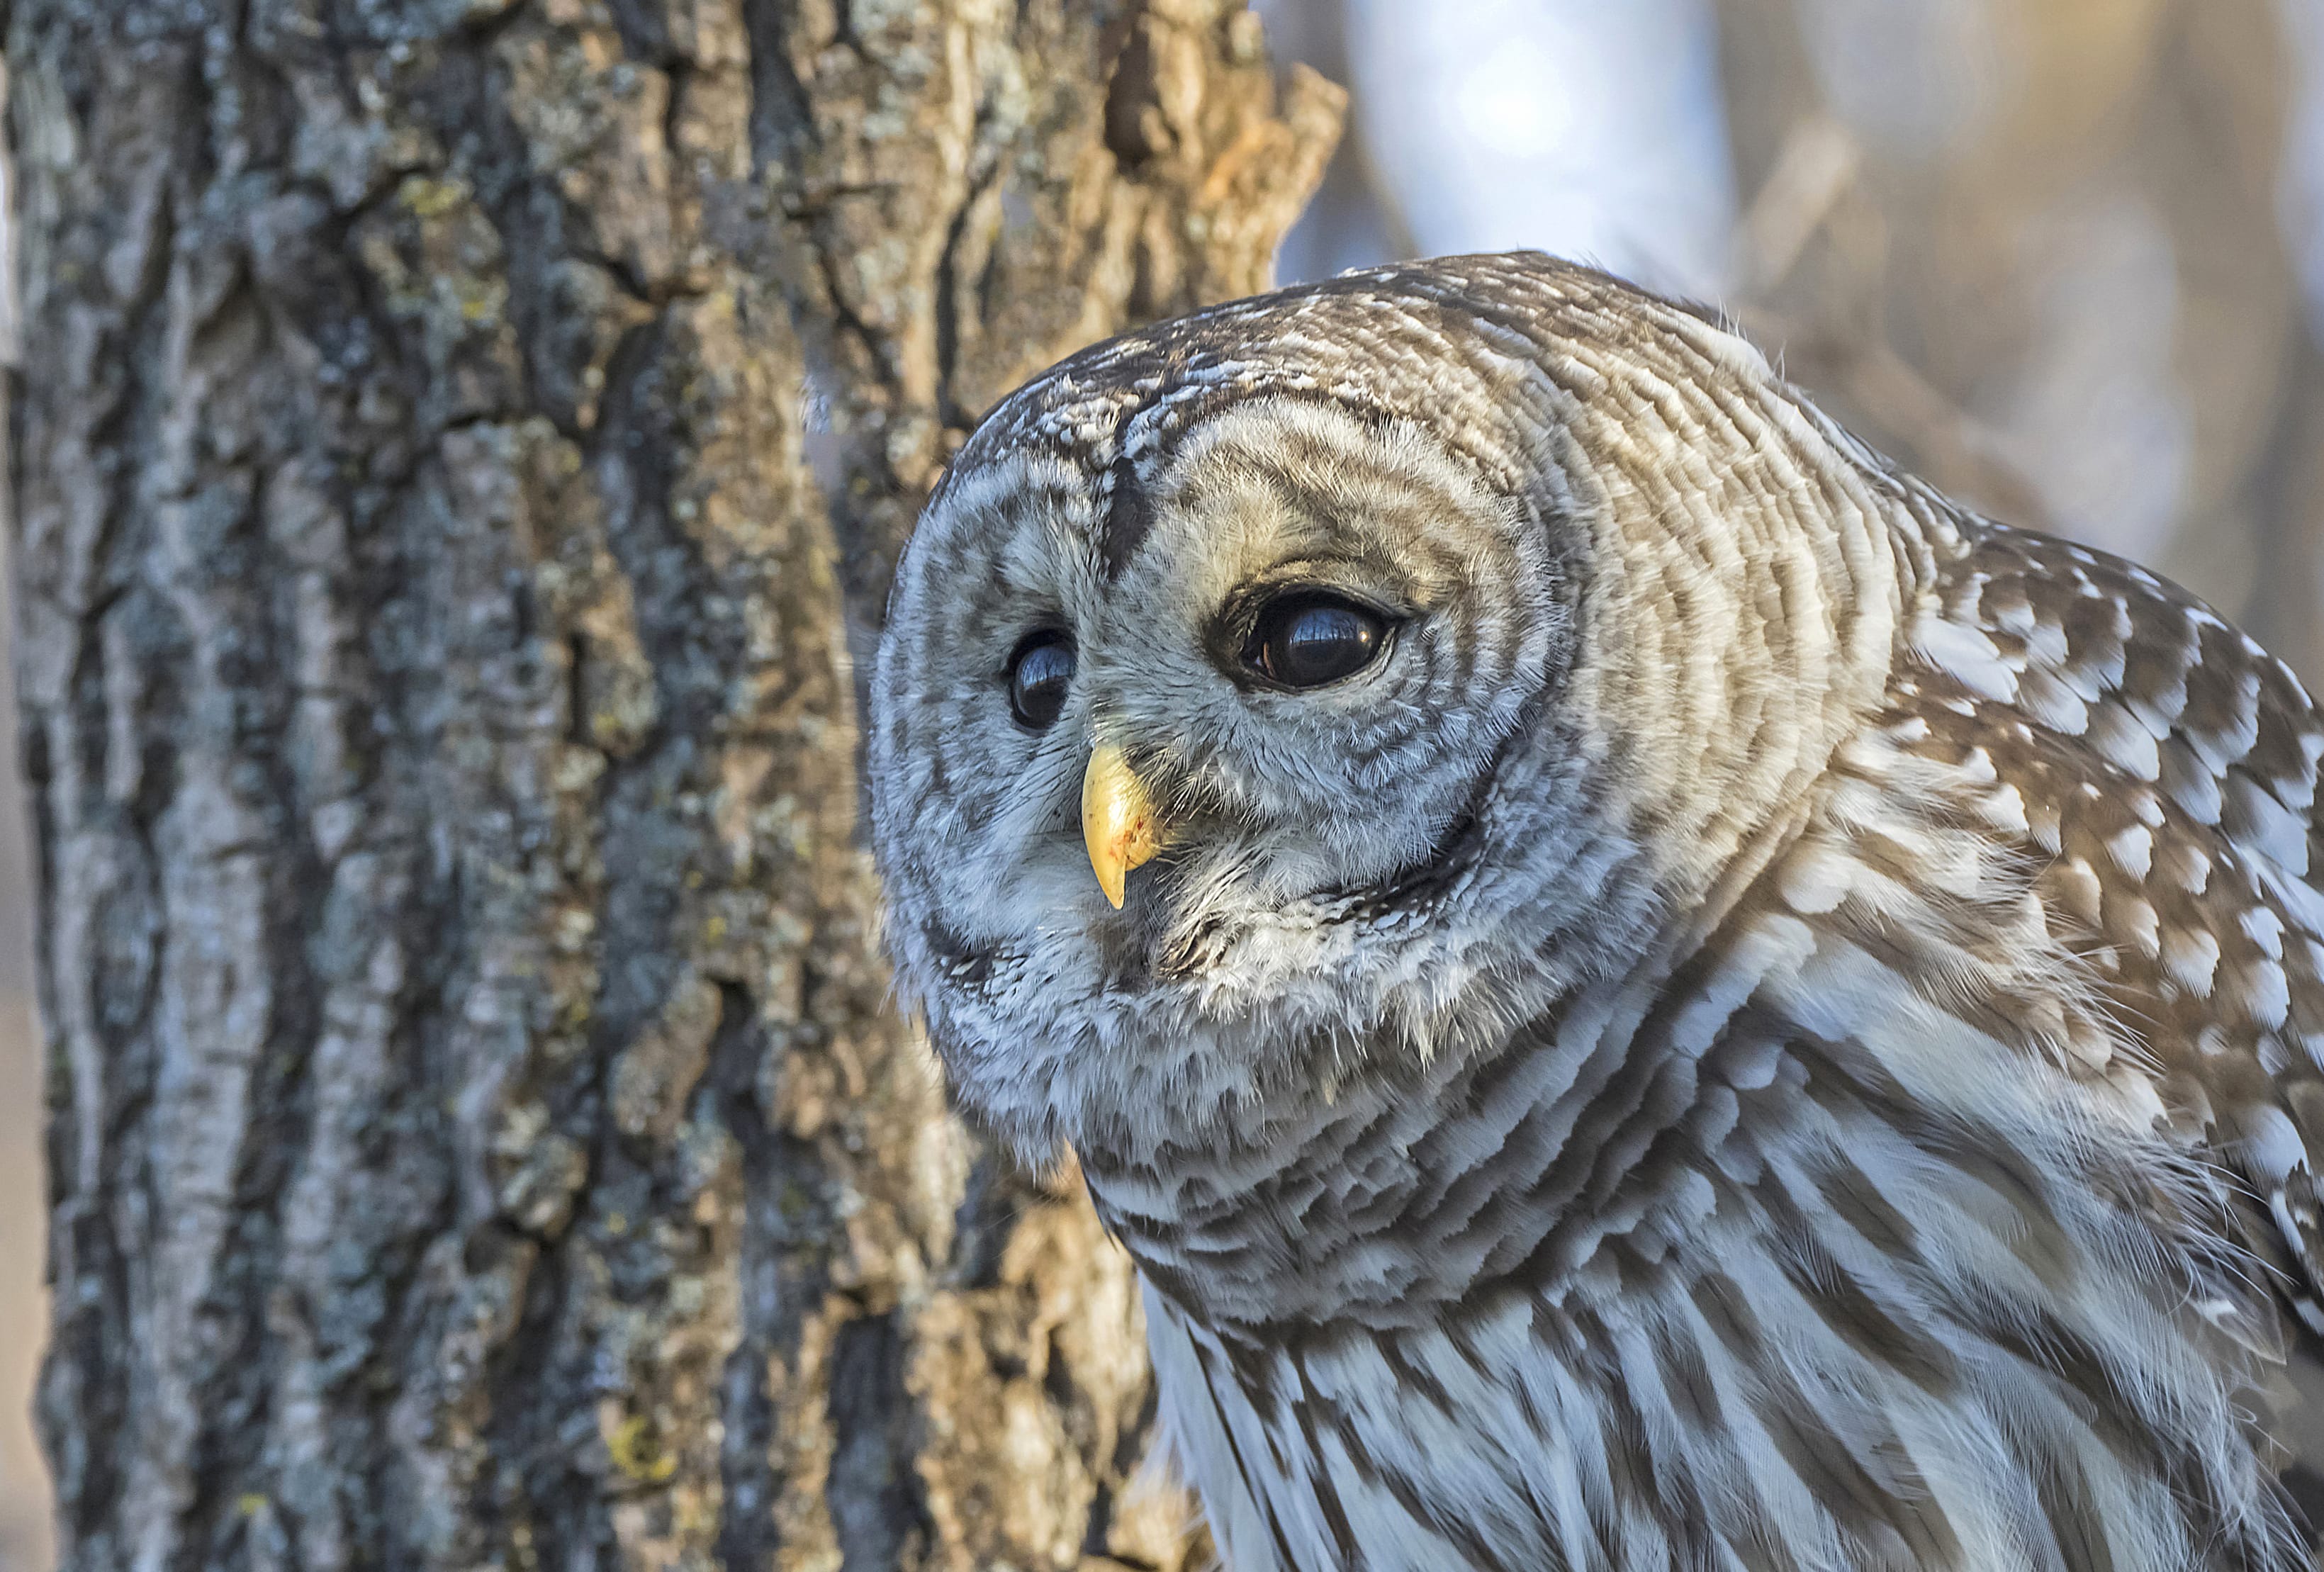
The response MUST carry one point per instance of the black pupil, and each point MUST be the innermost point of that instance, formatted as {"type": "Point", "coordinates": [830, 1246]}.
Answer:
{"type": "Point", "coordinates": [1306, 643]}
{"type": "Point", "coordinates": [1038, 675]}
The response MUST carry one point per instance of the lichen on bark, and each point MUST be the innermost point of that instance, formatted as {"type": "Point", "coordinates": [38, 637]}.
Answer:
{"type": "Point", "coordinates": [461, 446]}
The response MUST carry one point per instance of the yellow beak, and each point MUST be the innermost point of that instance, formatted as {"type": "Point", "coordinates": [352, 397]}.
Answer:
{"type": "Point", "coordinates": [1118, 821]}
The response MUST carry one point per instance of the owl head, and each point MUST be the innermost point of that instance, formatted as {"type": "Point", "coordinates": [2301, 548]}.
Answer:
{"type": "Point", "coordinates": [1271, 696]}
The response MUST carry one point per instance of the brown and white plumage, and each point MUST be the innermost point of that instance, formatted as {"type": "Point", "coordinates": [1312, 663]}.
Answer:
{"type": "Point", "coordinates": [1775, 1023]}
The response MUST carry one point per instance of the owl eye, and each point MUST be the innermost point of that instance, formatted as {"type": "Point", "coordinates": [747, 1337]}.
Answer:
{"type": "Point", "coordinates": [1307, 638]}
{"type": "Point", "coordinates": [1039, 673]}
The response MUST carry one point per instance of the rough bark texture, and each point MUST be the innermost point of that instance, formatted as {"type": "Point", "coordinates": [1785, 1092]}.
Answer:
{"type": "Point", "coordinates": [462, 442]}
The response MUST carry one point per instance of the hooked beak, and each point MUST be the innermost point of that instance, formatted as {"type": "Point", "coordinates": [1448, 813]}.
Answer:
{"type": "Point", "coordinates": [1118, 820]}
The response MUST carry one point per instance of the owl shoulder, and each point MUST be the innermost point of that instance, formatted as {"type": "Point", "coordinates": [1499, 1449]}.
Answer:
{"type": "Point", "coordinates": [2167, 770]}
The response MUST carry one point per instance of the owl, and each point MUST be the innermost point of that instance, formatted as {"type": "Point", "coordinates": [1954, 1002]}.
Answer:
{"type": "Point", "coordinates": [1644, 991]}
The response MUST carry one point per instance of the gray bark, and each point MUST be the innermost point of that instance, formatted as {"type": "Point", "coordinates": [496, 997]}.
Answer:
{"type": "Point", "coordinates": [461, 445]}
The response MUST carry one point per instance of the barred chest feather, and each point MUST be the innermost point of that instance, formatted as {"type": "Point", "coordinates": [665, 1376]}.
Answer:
{"type": "Point", "coordinates": [1939, 1197]}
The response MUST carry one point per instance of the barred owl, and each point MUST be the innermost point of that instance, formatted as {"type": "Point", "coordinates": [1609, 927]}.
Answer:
{"type": "Point", "coordinates": [1643, 989]}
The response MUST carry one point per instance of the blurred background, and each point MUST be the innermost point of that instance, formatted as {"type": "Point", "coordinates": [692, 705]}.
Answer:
{"type": "Point", "coordinates": [2063, 257]}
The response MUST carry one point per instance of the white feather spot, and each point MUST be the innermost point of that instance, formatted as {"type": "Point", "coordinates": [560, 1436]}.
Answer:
{"type": "Point", "coordinates": [2133, 850]}
{"type": "Point", "coordinates": [1818, 879]}
{"type": "Point", "coordinates": [1966, 654]}
{"type": "Point", "coordinates": [2192, 786]}
{"type": "Point", "coordinates": [2272, 1146]}
{"type": "Point", "coordinates": [2123, 743]}
{"type": "Point", "coordinates": [2045, 697]}
{"type": "Point", "coordinates": [2304, 900]}
{"type": "Point", "coordinates": [2136, 918]}
{"type": "Point", "coordinates": [2079, 882]}
{"type": "Point", "coordinates": [2191, 957]}
{"type": "Point", "coordinates": [2188, 866]}
{"type": "Point", "coordinates": [2267, 993]}
{"type": "Point", "coordinates": [2266, 827]}
{"type": "Point", "coordinates": [2005, 809]}
{"type": "Point", "coordinates": [2264, 929]}
{"type": "Point", "coordinates": [2156, 720]}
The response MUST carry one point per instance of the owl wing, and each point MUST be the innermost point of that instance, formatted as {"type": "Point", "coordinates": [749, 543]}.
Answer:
{"type": "Point", "coordinates": [2170, 768]}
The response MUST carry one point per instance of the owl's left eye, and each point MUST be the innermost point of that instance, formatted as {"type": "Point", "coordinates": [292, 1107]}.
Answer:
{"type": "Point", "coordinates": [1039, 673]}
{"type": "Point", "coordinates": [1306, 639]}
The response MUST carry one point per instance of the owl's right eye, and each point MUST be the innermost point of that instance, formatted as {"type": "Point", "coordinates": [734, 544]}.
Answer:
{"type": "Point", "coordinates": [1039, 673]}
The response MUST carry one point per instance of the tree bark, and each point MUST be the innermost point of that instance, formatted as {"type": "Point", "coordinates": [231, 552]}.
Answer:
{"type": "Point", "coordinates": [460, 450]}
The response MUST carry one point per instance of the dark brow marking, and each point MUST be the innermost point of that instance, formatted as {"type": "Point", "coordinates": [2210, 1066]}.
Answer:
{"type": "Point", "coordinates": [1129, 519]}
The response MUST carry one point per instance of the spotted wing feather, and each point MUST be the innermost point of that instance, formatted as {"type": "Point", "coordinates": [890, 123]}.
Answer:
{"type": "Point", "coordinates": [2170, 768]}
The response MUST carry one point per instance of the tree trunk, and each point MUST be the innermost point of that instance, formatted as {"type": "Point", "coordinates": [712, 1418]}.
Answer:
{"type": "Point", "coordinates": [461, 448]}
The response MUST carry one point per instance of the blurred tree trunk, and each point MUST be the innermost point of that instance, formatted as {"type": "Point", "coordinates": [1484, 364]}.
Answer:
{"type": "Point", "coordinates": [461, 443]}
